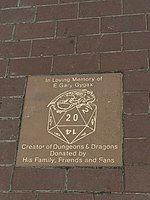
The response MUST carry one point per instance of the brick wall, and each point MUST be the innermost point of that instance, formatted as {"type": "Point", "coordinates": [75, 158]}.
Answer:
{"type": "Point", "coordinates": [76, 36]}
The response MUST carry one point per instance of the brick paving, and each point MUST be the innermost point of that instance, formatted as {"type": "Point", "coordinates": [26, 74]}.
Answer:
{"type": "Point", "coordinates": [76, 36]}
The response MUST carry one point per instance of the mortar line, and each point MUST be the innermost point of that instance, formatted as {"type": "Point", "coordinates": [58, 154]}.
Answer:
{"type": "Point", "coordinates": [51, 191]}
{"type": "Point", "coordinates": [93, 196]}
{"type": "Point", "coordinates": [5, 71]}
{"type": "Point", "coordinates": [6, 165]}
{"type": "Point", "coordinates": [146, 21]}
{"type": "Point", "coordinates": [76, 37]}
{"type": "Point", "coordinates": [66, 179]}
{"type": "Point", "coordinates": [7, 68]}
{"type": "Point", "coordinates": [36, 196]}
{"type": "Point", "coordinates": [78, 10]}
{"type": "Point", "coordinates": [148, 60]}
{"type": "Point", "coordinates": [1, 101]}
{"type": "Point", "coordinates": [18, 3]}
{"type": "Point", "coordinates": [149, 103]}
{"type": "Point", "coordinates": [75, 167]}
{"type": "Point", "coordinates": [30, 51]}
{"type": "Point", "coordinates": [131, 92]}
{"type": "Point", "coordinates": [76, 192]}
{"type": "Point", "coordinates": [7, 141]}
{"type": "Point", "coordinates": [52, 65]}
{"type": "Point", "coordinates": [136, 114]}
{"type": "Point", "coordinates": [16, 7]}
{"type": "Point", "coordinates": [100, 26]}
{"type": "Point", "coordinates": [34, 20]}
{"type": "Point", "coordinates": [122, 42]}
{"type": "Point", "coordinates": [100, 64]}
{"type": "Point", "coordinates": [12, 97]}
{"type": "Point", "coordinates": [122, 7]}
{"type": "Point", "coordinates": [56, 26]}
{"type": "Point", "coordinates": [20, 58]}
{"type": "Point", "coordinates": [85, 1]}
{"type": "Point", "coordinates": [76, 46]}
{"type": "Point", "coordinates": [136, 138]}
{"type": "Point", "coordinates": [8, 118]}
{"type": "Point", "coordinates": [11, 179]}
{"type": "Point", "coordinates": [13, 32]}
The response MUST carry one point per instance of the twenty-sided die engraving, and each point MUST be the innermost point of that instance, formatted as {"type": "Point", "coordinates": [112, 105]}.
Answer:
{"type": "Point", "coordinates": [72, 115]}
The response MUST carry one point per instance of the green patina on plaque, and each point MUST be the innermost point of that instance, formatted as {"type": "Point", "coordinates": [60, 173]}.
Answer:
{"type": "Point", "coordinates": [72, 120]}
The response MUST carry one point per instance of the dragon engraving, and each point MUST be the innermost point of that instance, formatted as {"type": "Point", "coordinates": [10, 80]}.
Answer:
{"type": "Point", "coordinates": [69, 99]}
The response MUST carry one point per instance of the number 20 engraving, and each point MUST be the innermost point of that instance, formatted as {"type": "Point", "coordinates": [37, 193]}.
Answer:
{"type": "Point", "coordinates": [75, 117]}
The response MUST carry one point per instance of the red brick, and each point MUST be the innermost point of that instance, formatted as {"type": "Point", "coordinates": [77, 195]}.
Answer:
{"type": "Point", "coordinates": [122, 197]}
{"type": "Point", "coordinates": [137, 126]}
{"type": "Point", "coordinates": [136, 103]}
{"type": "Point", "coordinates": [14, 49]}
{"type": "Point", "coordinates": [102, 8]}
{"type": "Point", "coordinates": [8, 3]}
{"type": "Point", "coordinates": [32, 31]}
{"type": "Point", "coordinates": [75, 64]}
{"type": "Point", "coordinates": [137, 178]}
{"type": "Point", "coordinates": [9, 129]}
{"type": "Point", "coordinates": [63, 196]}
{"type": "Point", "coordinates": [17, 15]}
{"type": "Point", "coordinates": [99, 43]}
{"type": "Point", "coordinates": [8, 152]}
{"type": "Point", "coordinates": [3, 65]}
{"type": "Point", "coordinates": [38, 179]}
{"type": "Point", "coordinates": [136, 81]}
{"type": "Point", "coordinates": [11, 107]}
{"type": "Point", "coordinates": [37, 2]}
{"type": "Point", "coordinates": [17, 196]}
{"type": "Point", "coordinates": [6, 32]}
{"type": "Point", "coordinates": [30, 66]}
{"type": "Point", "coordinates": [138, 6]}
{"type": "Point", "coordinates": [123, 23]}
{"type": "Point", "coordinates": [135, 151]}
{"type": "Point", "coordinates": [5, 177]}
{"type": "Point", "coordinates": [103, 180]}
{"type": "Point", "coordinates": [12, 87]}
{"type": "Point", "coordinates": [137, 40]}
{"type": "Point", "coordinates": [57, 12]}
{"type": "Point", "coordinates": [124, 61]}
{"type": "Point", "coordinates": [78, 27]}
{"type": "Point", "coordinates": [53, 46]}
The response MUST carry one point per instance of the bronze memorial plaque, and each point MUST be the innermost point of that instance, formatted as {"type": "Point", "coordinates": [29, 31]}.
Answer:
{"type": "Point", "coordinates": [72, 120]}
